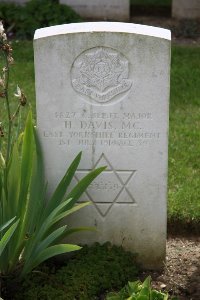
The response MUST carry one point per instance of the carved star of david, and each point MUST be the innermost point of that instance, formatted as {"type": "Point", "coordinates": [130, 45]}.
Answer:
{"type": "Point", "coordinates": [109, 188]}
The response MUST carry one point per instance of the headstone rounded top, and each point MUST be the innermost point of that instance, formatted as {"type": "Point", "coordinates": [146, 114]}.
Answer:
{"type": "Point", "coordinates": [103, 89]}
{"type": "Point", "coordinates": [103, 27]}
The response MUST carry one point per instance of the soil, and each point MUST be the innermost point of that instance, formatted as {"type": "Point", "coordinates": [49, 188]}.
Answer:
{"type": "Point", "coordinates": [181, 274]}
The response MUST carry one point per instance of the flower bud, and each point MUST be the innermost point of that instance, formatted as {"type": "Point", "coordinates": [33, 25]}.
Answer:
{"type": "Point", "coordinates": [4, 36]}
{"type": "Point", "coordinates": [1, 29]}
{"type": "Point", "coordinates": [10, 60]}
{"type": "Point", "coordinates": [20, 94]}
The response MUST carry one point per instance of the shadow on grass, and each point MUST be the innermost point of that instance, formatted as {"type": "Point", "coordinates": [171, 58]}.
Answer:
{"type": "Point", "coordinates": [150, 10]}
{"type": "Point", "coordinates": [178, 228]}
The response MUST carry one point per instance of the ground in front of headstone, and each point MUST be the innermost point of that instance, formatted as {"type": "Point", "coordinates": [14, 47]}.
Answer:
{"type": "Point", "coordinates": [181, 275]}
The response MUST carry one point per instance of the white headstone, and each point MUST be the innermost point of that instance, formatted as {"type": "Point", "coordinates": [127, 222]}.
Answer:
{"type": "Point", "coordinates": [103, 88]}
{"type": "Point", "coordinates": [118, 10]}
{"type": "Point", "coordinates": [186, 9]}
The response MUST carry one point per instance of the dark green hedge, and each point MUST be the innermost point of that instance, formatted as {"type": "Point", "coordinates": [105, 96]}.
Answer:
{"type": "Point", "coordinates": [22, 21]}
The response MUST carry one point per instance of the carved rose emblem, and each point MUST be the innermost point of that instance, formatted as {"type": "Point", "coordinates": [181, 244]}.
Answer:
{"type": "Point", "coordinates": [101, 74]}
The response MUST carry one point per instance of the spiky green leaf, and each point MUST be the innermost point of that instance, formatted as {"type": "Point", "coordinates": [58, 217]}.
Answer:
{"type": "Point", "coordinates": [83, 184]}
{"type": "Point", "coordinates": [4, 226]}
{"type": "Point", "coordinates": [62, 187]}
{"type": "Point", "coordinates": [7, 236]}
{"type": "Point", "coordinates": [50, 252]}
{"type": "Point", "coordinates": [69, 212]}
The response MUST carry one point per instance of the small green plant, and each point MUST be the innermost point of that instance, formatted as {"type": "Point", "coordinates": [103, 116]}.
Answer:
{"type": "Point", "coordinates": [36, 234]}
{"type": "Point", "coordinates": [139, 291]}
{"type": "Point", "coordinates": [23, 195]}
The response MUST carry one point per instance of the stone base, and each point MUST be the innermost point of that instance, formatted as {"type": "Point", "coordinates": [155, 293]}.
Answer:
{"type": "Point", "coordinates": [118, 10]}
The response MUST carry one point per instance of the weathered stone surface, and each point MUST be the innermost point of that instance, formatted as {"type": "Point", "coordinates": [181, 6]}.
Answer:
{"type": "Point", "coordinates": [185, 9]}
{"type": "Point", "coordinates": [118, 10]}
{"type": "Point", "coordinates": [103, 88]}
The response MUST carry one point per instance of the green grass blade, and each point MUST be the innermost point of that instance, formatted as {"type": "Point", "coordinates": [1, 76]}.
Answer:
{"type": "Point", "coordinates": [7, 236]}
{"type": "Point", "coordinates": [77, 229]}
{"type": "Point", "coordinates": [37, 196]}
{"type": "Point", "coordinates": [82, 185]}
{"type": "Point", "coordinates": [68, 232]}
{"type": "Point", "coordinates": [23, 204]}
{"type": "Point", "coordinates": [48, 222]}
{"type": "Point", "coordinates": [4, 226]}
{"type": "Point", "coordinates": [26, 169]}
{"type": "Point", "coordinates": [63, 185]}
{"type": "Point", "coordinates": [55, 250]}
{"type": "Point", "coordinates": [37, 187]}
{"type": "Point", "coordinates": [1, 189]}
{"type": "Point", "coordinates": [50, 252]}
{"type": "Point", "coordinates": [13, 181]}
{"type": "Point", "coordinates": [50, 239]}
{"type": "Point", "coordinates": [69, 211]}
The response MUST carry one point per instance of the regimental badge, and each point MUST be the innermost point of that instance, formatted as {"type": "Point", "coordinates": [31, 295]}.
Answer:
{"type": "Point", "coordinates": [101, 74]}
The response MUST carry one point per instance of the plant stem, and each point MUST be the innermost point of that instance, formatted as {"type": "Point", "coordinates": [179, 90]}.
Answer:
{"type": "Point", "coordinates": [8, 112]}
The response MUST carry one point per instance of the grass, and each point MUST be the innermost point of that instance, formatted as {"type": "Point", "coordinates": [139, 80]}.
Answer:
{"type": "Point", "coordinates": [22, 73]}
{"type": "Point", "coordinates": [184, 142]}
{"type": "Point", "coordinates": [184, 137]}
